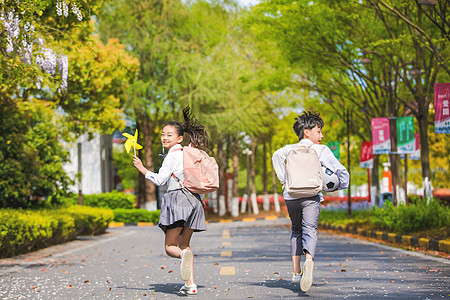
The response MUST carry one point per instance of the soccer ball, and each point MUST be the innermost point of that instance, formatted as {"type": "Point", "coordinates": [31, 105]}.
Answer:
{"type": "Point", "coordinates": [330, 180]}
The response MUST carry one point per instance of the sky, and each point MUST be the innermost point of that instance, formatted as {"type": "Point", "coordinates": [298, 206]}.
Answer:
{"type": "Point", "coordinates": [248, 2]}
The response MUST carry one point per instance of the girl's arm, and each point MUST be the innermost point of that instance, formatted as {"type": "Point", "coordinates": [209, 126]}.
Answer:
{"type": "Point", "coordinates": [164, 174]}
{"type": "Point", "coordinates": [139, 165]}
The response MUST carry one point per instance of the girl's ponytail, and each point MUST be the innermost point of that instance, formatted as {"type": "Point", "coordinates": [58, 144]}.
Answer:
{"type": "Point", "coordinates": [197, 132]}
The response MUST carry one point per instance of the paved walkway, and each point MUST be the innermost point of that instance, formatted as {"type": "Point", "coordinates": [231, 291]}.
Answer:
{"type": "Point", "coordinates": [239, 260]}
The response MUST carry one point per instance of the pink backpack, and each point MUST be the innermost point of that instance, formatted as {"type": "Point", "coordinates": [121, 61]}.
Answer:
{"type": "Point", "coordinates": [201, 172]}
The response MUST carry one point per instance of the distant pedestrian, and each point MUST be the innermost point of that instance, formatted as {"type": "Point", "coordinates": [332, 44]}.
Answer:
{"type": "Point", "coordinates": [304, 212]}
{"type": "Point", "coordinates": [182, 211]}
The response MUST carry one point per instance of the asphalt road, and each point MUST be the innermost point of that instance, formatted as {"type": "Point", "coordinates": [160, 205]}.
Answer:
{"type": "Point", "coordinates": [238, 260]}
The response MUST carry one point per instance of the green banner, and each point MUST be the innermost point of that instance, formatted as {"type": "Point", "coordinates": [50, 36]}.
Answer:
{"type": "Point", "coordinates": [334, 147]}
{"type": "Point", "coordinates": [405, 135]}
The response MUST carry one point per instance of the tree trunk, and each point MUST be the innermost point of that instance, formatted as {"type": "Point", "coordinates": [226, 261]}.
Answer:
{"type": "Point", "coordinates": [236, 176]}
{"type": "Point", "coordinates": [276, 201]}
{"type": "Point", "coordinates": [424, 147]}
{"type": "Point", "coordinates": [252, 177]}
{"type": "Point", "coordinates": [375, 179]}
{"type": "Point", "coordinates": [149, 188]}
{"type": "Point", "coordinates": [266, 203]}
{"type": "Point", "coordinates": [221, 190]}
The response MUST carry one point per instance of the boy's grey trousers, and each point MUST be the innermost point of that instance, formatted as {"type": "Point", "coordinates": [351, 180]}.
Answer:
{"type": "Point", "coordinates": [304, 214]}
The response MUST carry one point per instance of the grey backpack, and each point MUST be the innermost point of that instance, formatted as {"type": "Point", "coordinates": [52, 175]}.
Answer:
{"type": "Point", "coordinates": [303, 172]}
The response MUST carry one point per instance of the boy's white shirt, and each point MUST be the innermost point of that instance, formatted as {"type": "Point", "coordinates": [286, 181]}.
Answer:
{"type": "Point", "coordinates": [173, 163]}
{"type": "Point", "coordinates": [326, 158]}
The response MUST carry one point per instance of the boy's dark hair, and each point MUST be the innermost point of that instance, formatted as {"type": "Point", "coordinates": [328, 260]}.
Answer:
{"type": "Point", "coordinates": [307, 120]}
{"type": "Point", "coordinates": [197, 133]}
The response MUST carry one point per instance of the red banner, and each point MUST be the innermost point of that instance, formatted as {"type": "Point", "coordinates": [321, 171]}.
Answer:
{"type": "Point", "coordinates": [381, 136]}
{"type": "Point", "coordinates": [366, 155]}
{"type": "Point", "coordinates": [442, 107]}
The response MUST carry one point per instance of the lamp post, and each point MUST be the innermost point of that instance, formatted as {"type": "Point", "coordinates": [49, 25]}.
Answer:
{"type": "Point", "coordinates": [426, 4]}
{"type": "Point", "coordinates": [247, 152]}
{"type": "Point", "coordinates": [387, 86]}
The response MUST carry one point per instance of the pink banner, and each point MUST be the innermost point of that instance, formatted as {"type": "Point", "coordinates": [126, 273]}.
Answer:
{"type": "Point", "coordinates": [381, 136]}
{"type": "Point", "coordinates": [366, 155]}
{"type": "Point", "coordinates": [442, 107]}
{"type": "Point", "coordinates": [416, 154]}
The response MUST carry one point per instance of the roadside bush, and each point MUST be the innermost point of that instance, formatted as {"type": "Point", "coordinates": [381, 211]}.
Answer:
{"type": "Point", "coordinates": [111, 200]}
{"type": "Point", "coordinates": [136, 215]}
{"type": "Point", "coordinates": [340, 217]}
{"type": "Point", "coordinates": [90, 220]}
{"type": "Point", "coordinates": [23, 230]}
{"type": "Point", "coordinates": [416, 216]}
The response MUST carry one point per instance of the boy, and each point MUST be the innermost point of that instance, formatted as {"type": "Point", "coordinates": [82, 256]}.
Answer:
{"type": "Point", "coordinates": [304, 212]}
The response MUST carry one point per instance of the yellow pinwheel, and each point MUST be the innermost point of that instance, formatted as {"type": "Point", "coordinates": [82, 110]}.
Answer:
{"type": "Point", "coordinates": [131, 140]}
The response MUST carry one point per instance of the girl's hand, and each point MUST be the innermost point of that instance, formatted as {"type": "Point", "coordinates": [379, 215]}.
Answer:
{"type": "Point", "coordinates": [138, 165]}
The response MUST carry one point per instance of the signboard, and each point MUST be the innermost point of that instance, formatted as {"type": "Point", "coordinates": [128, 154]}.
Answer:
{"type": "Point", "coordinates": [381, 136]}
{"type": "Point", "coordinates": [405, 135]}
{"type": "Point", "coordinates": [334, 147]}
{"type": "Point", "coordinates": [366, 155]}
{"type": "Point", "coordinates": [416, 154]}
{"type": "Point", "coordinates": [442, 107]}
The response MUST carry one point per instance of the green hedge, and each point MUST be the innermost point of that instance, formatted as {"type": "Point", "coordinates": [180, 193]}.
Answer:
{"type": "Point", "coordinates": [417, 216]}
{"type": "Point", "coordinates": [23, 231]}
{"type": "Point", "coordinates": [111, 200]}
{"type": "Point", "coordinates": [136, 215]}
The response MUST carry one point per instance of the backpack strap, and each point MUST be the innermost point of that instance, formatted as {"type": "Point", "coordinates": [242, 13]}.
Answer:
{"type": "Point", "coordinates": [173, 175]}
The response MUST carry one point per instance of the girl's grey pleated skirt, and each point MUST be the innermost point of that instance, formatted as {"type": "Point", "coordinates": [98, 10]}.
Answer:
{"type": "Point", "coordinates": [180, 208]}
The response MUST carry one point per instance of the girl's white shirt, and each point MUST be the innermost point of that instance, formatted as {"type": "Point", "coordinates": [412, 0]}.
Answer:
{"type": "Point", "coordinates": [326, 158]}
{"type": "Point", "coordinates": [173, 163]}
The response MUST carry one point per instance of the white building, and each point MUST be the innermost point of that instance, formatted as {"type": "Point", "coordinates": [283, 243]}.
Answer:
{"type": "Point", "coordinates": [93, 160]}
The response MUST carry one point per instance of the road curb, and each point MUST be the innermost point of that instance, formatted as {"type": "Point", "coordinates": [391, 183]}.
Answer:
{"type": "Point", "coordinates": [247, 219]}
{"type": "Point", "coordinates": [244, 219]}
{"type": "Point", "coordinates": [429, 244]}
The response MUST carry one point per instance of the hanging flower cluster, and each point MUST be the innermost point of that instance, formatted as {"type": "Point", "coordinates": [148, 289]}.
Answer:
{"type": "Point", "coordinates": [11, 22]}
{"type": "Point", "coordinates": [62, 9]}
{"type": "Point", "coordinates": [20, 41]}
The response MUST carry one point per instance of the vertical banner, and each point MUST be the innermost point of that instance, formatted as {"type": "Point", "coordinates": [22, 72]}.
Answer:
{"type": "Point", "coordinates": [416, 154]}
{"type": "Point", "coordinates": [366, 155]}
{"type": "Point", "coordinates": [441, 107]}
{"type": "Point", "coordinates": [405, 135]}
{"type": "Point", "coordinates": [381, 136]}
{"type": "Point", "coordinates": [334, 147]}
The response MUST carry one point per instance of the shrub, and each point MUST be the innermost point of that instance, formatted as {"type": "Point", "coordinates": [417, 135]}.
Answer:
{"type": "Point", "coordinates": [419, 215]}
{"type": "Point", "coordinates": [90, 220]}
{"type": "Point", "coordinates": [340, 217]}
{"type": "Point", "coordinates": [111, 200]}
{"type": "Point", "coordinates": [136, 215]}
{"type": "Point", "coordinates": [22, 230]}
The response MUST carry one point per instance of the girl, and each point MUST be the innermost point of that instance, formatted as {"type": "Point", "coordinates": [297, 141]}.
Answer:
{"type": "Point", "coordinates": [181, 211]}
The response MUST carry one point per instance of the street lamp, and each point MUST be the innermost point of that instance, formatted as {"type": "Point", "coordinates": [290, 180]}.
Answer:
{"type": "Point", "coordinates": [365, 61]}
{"type": "Point", "coordinates": [427, 3]}
{"type": "Point", "coordinates": [247, 152]}
{"type": "Point", "coordinates": [414, 73]}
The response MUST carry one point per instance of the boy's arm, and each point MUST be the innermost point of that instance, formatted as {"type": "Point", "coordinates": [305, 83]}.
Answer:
{"type": "Point", "coordinates": [328, 159]}
{"type": "Point", "coordinates": [279, 165]}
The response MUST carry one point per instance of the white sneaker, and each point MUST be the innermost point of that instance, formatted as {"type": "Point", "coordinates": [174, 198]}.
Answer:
{"type": "Point", "coordinates": [185, 267]}
{"type": "Point", "coordinates": [296, 277]}
{"type": "Point", "coordinates": [307, 277]}
{"type": "Point", "coordinates": [189, 289]}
